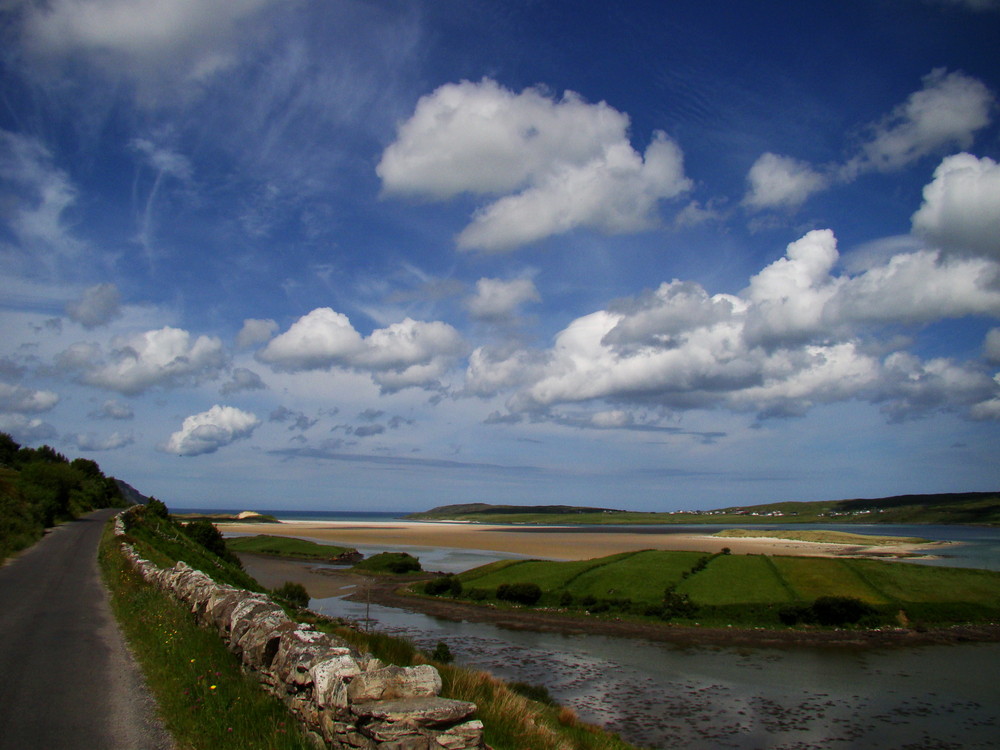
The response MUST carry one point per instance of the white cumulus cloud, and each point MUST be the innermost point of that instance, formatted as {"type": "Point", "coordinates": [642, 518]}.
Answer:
{"type": "Point", "coordinates": [16, 398]}
{"type": "Point", "coordinates": [210, 430]}
{"type": "Point", "coordinates": [401, 355]}
{"type": "Point", "coordinates": [151, 41]}
{"type": "Point", "coordinates": [781, 182]}
{"type": "Point", "coordinates": [318, 340]}
{"type": "Point", "coordinates": [946, 112]}
{"type": "Point", "coordinates": [557, 164]}
{"type": "Point", "coordinates": [794, 338]}
{"type": "Point", "coordinates": [26, 430]}
{"type": "Point", "coordinates": [167, 357]}
{"type": "Point", "coordinates": [112, 409]}
{"type": "Point", "coordinates": [88, 441]}
{"type": "Point", "coordinates": [961, 208]}
{"type": "Point", "coordinates": [991, 346]}
{"type": "Point", "coordinates": [256, 331]}
{"type": "Point", "coordinates": [496, 299]}
{"type": "Point", "coordinates": [97, 305]}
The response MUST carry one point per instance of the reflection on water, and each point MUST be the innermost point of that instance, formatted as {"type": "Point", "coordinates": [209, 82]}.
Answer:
{"type": "Point", "coordinates": [658, 695]}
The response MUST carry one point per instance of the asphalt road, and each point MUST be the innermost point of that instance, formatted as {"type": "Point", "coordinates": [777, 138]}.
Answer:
{"type": "Point", "coordinates": [66, 677]}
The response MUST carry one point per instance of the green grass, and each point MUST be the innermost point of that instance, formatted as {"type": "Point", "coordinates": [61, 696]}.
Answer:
{"type": "Point", "coordinates": [641, 577]}
{"type": "Point", "coordinates": [744, 589]}
{"type": "Point", "coordinates": [915, 583]}
{"type": "Point", "coordinates": [161, 541]}
{"type": "Point", "coordinates": [813, 577]}
{"type": "Point", "coordinates": [731, 579]}
{"type": "Point", "coordinates": [549, 575]}
{"type": "Point", "coordinates": [205, 699]}
{"type": "Point", "coordinates": [279, 546]}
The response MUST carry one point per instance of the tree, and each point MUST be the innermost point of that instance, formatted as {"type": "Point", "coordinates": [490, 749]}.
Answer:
{"type": "Point", "coordinates": [293, 593]}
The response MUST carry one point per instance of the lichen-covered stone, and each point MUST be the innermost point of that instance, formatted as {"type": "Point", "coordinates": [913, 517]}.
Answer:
{"type": "Point", "coordinates": [330, 678]}
{"type": "Point", "coordinates": [467, 736]}
{"type": "Point", "coordinates": [421, 712]}
{"type": "Point", "coordinates": [392, 682]}
{"type": "Point", "coordinates": [300, 649]}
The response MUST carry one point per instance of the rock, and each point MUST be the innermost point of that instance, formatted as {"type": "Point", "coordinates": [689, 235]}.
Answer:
{"type": "Point", "coordinates": [421, 712]}
{"type": "Point", "coordinates": [261, 641]}
{"type": "Point", "coordinates": [299, 650]}
{"type": "Point", "coordinates": [467, 736]}
{"type": "Point", "coordinates": [245, 613]}
{"type": "Point", "coordinates": [329, 678]}
{"type": "Point", "coordinates": [221, 604]}
{"type": "Point", "coordinates": [395, 682]}
{"type": "Point", "coordinates": [388, 736]}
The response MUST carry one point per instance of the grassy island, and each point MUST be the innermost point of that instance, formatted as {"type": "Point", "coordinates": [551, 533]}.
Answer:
{"type": "Point", "coordinates": [297, 549]}
{"type": "Point", "coordinates": [745, 590]}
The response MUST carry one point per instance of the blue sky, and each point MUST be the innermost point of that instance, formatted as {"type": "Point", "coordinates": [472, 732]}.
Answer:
{"type": "Point", "coordinates": [386, 256]}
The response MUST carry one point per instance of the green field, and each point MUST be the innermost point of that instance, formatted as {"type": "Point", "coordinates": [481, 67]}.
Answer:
{"type": "Point", "coordinates": [749, 589]}
{"type": "Point", "coordinates": [737, 580]}
{"type": "Point", "coordinates": [280, 546]}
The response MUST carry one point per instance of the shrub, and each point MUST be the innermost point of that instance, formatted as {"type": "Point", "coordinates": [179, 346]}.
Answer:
{"type": "Point", "coordinates": [204, 533]}
{"type": "Point", "coordinates": [293, 593]}
{"type": "Point", "coordinates": [477, 595]}
{"type": "Point", "coordinates": [157, 508]}
{"type": "Point", "coordinates": [390, 562]}
{"type": "Point", "coordinates": [519, 593]}
{"type": "Point", "coordinates": [538, 693]}
{"type": "Point", "coordinates": [444, 584]}
{"type": "Point", "coordinates": [566, 599]}
{"type": "Point", "coordinates": [793, 614]}
{"type": "Point", "coordinates": [677, 605]}
{"type": "Point", "coordinates": [840, 610]}
{"type": "Point", "coordinates": [827, 610]}
{"type": "Point", "coordinates": [442, 653]}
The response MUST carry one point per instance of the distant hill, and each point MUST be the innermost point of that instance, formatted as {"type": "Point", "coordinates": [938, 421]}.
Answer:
{"type": "Point", "coordinates": [979, 508]}
{"type": "Point", "coordinates": [131, 495]}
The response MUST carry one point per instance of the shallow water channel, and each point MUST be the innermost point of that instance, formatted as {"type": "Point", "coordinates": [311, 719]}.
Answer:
{"type": "Point", "coordinates": [660, 696]}
{"type": "Point", "coordinates": [656, 695]}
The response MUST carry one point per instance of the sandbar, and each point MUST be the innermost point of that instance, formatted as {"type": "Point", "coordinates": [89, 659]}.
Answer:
{"type": "Point", "coordinates": [554, 542]}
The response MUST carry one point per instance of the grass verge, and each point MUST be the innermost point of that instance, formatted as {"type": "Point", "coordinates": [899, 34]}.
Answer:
{"type": "Point", "coordinates": [205, 699]}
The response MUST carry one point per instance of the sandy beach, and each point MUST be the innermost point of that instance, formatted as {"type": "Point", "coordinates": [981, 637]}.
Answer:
{"type": "Point", "coordinates": [552, 542]}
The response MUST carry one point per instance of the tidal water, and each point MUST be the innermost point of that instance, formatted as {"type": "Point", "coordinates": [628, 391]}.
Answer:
{"type": "Point", "coordinates": [702, 698]}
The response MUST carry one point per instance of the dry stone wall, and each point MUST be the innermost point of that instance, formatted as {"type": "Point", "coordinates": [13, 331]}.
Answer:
{"type": "Point", "coordinates": [346, 699]}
